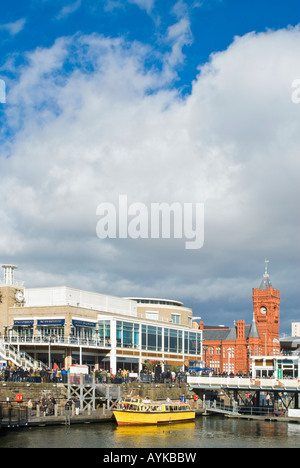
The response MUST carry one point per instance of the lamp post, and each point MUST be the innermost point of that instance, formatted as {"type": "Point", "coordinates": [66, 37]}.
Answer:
{"type": "Point", "coordinates": [49, 351]}
{"type": "Point", "coordinates": [205, 348]}
{"type": "Point", "coordinates": [229, 356]}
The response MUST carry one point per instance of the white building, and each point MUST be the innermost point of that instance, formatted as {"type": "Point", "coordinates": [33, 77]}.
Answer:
{"type": "Point", "coordinates": [67, 326]}
{"type": "Point", "coordinates": [296, 329]}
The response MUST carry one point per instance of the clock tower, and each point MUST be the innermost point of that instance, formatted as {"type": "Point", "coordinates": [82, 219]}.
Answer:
{"type": "Point", "coordinates": [266, 302]}
{"type": "Point", "coordinates": [11, 293]}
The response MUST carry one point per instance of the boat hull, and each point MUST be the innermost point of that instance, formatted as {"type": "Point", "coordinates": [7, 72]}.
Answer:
{"type": "Point", "coordinates": [133, 418]}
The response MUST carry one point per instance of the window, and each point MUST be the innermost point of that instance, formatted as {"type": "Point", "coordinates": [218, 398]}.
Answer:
{"type": "Point", "coordinates": [151, 315]}
{"type": "Point", "coordinates": [128, 335]}
{"type": "Point", "coordinates": [104, 332]}
{"type": "Point", "coordinates": [175, 318]}
{"type": "Point", "coordinates": [173, 340]}
{"type": "Point", "coordinates": [192, 343]}
{"type": "Point", "coordinates": [151, 338]}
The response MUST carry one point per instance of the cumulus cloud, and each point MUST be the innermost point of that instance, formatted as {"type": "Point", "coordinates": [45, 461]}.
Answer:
{"type": "Point", "coordinates": [101, 122]}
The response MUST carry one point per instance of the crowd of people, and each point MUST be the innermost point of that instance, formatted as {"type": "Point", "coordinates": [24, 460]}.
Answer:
{"type": "Point", "coordinates": [33, 375]}
{"type": "Point", "coordinates": [57, 375]}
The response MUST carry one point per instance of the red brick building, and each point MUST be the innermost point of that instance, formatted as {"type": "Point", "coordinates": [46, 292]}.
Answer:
{"type": "Point", "coordinates": [228, 350]}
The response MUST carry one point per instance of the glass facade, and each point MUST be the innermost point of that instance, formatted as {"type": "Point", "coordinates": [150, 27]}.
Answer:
{"type": "Point", "coordinates": [173, 340]}
{"type": "Point", "coordinates": [153, 338]}
{"type": "Point", "coordinates": [104, 332]}
{"type": "Point", "coordinates": [192, 343]}
{"type": "Point", "coordinates": [128, 335]}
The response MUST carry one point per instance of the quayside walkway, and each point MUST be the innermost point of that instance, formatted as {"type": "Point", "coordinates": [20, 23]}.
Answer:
{"type": "Point", "coordinates": [14, 416]}
{"type": "Point", "coordinates": [243, 383]}
{"type": "Point", "coordinates": [17, 416]}
{"type": "Point", "coordinates": [24, 404]}
{"type": "Point", "coordinates": [266, 413]}
{"type": "Point", "coordinates": [268, 399]}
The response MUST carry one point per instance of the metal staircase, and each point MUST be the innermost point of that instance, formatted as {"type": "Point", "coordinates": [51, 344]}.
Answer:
{"type": "Point", "coordinates": [20, 359]}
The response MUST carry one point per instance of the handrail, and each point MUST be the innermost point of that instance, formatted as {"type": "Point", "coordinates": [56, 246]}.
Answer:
{"type": "Point", "coordinates": [242, 382]}
{"type": "Point", "coordinates": [75, 341]}
{"type": "Point", "coordinates": [21, 359]}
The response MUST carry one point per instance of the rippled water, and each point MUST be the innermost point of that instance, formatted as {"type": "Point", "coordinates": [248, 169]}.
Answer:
{"type": "Point", "coordinates": [205, 432]}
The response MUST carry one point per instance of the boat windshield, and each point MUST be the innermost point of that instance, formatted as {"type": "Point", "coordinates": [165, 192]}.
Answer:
{"type": "Point", "coordinates": [137, 404]}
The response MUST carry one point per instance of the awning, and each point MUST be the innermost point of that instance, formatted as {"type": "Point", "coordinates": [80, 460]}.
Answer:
{"type": "Point", "coordinates": [200, 369]}
{"type": "Point", "coordinates": [23, 323]}
{"type": "Point", "coordinates": [83, 323]}
{"type": "Point", "coordinates": [50, 322]}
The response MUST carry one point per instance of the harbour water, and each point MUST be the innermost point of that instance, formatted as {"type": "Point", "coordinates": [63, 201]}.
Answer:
{"type": "Point", "coordinates": [205, 432]}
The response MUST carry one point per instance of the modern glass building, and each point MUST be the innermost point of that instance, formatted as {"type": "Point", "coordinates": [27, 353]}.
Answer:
{"type": "Point", "coordinates": [67, 326]}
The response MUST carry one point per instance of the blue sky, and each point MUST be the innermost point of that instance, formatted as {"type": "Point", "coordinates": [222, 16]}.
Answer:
{"type": "Point", "coordinates": [163, 101]}
{"type": "Point", "coordinates": [27, 24]}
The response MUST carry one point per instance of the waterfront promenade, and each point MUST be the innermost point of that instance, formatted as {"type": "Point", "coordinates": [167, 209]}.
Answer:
{"type": "Point", "coordinates": [243, 383]}
{"type": "Point", "coordinates": [83, 399]}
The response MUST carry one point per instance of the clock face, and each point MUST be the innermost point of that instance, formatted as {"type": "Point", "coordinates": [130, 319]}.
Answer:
{"type": "Point", "coordinates": [19, 296]}
{"type": "Point", "coordinates": [263, 310]}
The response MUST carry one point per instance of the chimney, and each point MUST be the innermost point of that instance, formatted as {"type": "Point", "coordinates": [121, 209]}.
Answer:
{"type": "Point", "coordinates": [241, 329]}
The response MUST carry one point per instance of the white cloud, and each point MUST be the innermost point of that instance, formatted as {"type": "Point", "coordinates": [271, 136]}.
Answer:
{"type": "Point", "coordinates": [179, 35]}
{"type": "Point", "coordinates": [69, 9]}
{"type": "Point", "coordinates": [147, 5]}
{"type": "Point", "coordinates": [2, 92]}
{"type": "Point", "coordinates": [13, 28]}
{"type": "Point", "coordinates": [144, 4]}
{"type": "Point", "coordinates": [112, 126]}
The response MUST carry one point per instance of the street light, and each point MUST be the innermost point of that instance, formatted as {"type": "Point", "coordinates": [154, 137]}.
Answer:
{"type": "Point", "coordinates": [49, 350]}
{"type": "Point", "coordinates": [229, 356]}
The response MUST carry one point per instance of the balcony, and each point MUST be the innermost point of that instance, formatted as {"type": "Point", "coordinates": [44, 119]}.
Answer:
{"type": "Point", "coordinates": [57, 341]}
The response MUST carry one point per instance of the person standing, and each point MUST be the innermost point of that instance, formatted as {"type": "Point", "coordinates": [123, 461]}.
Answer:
{"type": "Point", "coordinates": [77, 406]}
{"type": "Point", "coordinates": [68, 410]}
{"type": "Point", "coordinates": [29, 406]}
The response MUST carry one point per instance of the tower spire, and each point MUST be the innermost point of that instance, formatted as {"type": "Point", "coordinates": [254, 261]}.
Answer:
{"type": "Point", "coordinates": [266, 266]}
{"type": "Point", "coordinates": [266, 283]}
{"type": "Point", "coordinates": [253, 329]}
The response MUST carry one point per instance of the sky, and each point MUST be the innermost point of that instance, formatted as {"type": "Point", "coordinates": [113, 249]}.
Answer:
{"type": "Point", "coordinates": [193, 103]}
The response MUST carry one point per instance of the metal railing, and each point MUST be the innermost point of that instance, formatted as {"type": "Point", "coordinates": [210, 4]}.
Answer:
{"type": "Point", "coordinates": [21, 359]}
{"type": "Point", "coordinates": [244, 383]}
{"type": "Point", "coordinates": [245, 409]}
{"type": "Point", "coordinates": [59, 340]}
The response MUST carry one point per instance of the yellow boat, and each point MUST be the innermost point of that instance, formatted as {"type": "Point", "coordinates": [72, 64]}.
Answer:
{"type": "Point", "coordinates": [134, 411]}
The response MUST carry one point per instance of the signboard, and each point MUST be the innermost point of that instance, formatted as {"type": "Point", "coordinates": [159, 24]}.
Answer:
{"type": "Point", "coordinates": [23, 323]}
{"type": "Point", "coordinates": [294, 413]}
{"type": "Point", "coordinates": [83, 323]}
{"type": "Point", "coordinates": [50, 322]}
{"type": "Point", "coordinates": [78, 369]}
